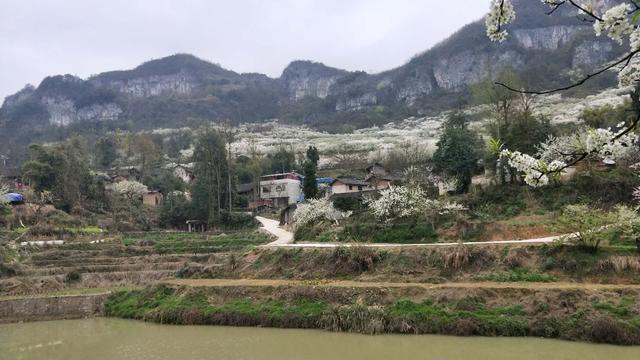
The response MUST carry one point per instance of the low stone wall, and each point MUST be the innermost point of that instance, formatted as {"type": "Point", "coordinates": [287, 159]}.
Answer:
{"type": "Point", "coordinates": [52, 307]}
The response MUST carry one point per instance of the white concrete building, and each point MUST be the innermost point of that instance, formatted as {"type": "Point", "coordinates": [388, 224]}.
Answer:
{"type": "Point", "coordinates": [281, 189]}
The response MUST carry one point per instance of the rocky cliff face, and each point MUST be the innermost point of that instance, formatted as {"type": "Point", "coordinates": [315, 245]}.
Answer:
{"type": "Point", "coordinates": [181, 83]}
{"type": "Point", "coordinates": [547, 38]}
{"type": "Point", "coordinates": [592, 53]}
{"type": "Point", "coordinates": [186, 87]}
{"type": "Point", "coordinates": [63, 111]}
{"type": "Point", "coordinates": [465, 58]}
{"type": "Point", "coordinates": [305, 78]}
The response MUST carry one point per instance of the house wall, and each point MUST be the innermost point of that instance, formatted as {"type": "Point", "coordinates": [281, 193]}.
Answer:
{"type": "Point", "coordinates": [152, 199]}
{"type": "Point", "coordinates": [283, 188]}
{"type": "Point", "coordinates": [340, 188]}
{"type": "Point", "coordinates": [380, 184]}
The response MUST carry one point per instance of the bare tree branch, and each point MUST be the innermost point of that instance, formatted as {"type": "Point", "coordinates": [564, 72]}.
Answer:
{"type": "Point", "coordinates": [624, 60]}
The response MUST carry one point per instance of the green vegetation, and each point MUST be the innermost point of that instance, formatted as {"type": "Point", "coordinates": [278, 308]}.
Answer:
{"type": "Point", "coordinates": [458, 151]}
{"type": "Point", "coordinates": [197, 243]}
{"type": "Point", "coordinates": [388, 233]}
{"type": "Point", "coordinates": [162, 304]}
{"type": "Point", "coordinates": [621, 310]}
{"type": "Point", "coordinates": [428, 317]}
{"type": "Point", "coordinates": [521, 275]}
{"type": "Point", "coordinates": [310, 185]}
{"type": "Point", "coordinates": [334, 309]}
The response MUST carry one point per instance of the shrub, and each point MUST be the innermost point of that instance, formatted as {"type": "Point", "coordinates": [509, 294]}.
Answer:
{"type": "Point", "coordinates": [458, 258]}
{"type": "Point", "coordinates": [237, 220]}
{"type": "Point", "coordinates": [348, 203]}
{"type": "Point", "coordinates": [521, 275]}
{"type": "Point", "coordinates": [589, 225]}
{"type": "Point", "coordinates": [72, 276]}
{"type": "Point", "coordinates": [389, 233]}
{"type": "Point", "coordinates": [356, 258]}
{"type": "Point", "coordinates": [621, 264]}
{"type": "Point", "coordinates": [7, 270]}
{"type": "Point", "coordinates": [604, 329]}
{"type": "Point", "coordinates": [307, 232]}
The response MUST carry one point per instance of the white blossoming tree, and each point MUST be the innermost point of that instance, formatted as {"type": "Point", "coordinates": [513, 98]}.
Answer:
{"type": "Point", "coordinates": [402, 202]}
{"type": "Point", "coordinates": [132, 190]}
{"type": "Point", "coordinates": [618, 22]}
{"type": "Point", "coordinates": [315, 210]}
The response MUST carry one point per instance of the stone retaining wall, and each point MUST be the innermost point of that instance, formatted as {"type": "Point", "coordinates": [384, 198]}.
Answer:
{"type": "Point", "coordinates": [52, 307]}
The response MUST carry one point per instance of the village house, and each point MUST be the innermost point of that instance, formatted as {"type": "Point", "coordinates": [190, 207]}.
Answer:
{"type": "Point", "coordinates": [281, 190]}
{"type": "Point", "coordinates": [252, 195]}
{"type": "Point", "coordinates": [379, 179]}
{"type": "Point", "coordinates": [121, 173]}
{"type": "Point", "coordinates": [343, 185]}
{"type": "Point", "coordinates": [152, 198]}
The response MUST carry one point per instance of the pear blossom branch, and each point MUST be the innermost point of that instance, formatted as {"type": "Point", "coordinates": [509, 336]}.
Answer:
{"type": "Point", "coordinates": [625, 61]}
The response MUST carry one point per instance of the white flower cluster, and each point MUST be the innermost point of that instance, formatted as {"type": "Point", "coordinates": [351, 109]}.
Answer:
{"type": "Point", "coordinates": [501, 13]}
{"type": "Point", "coordinates": [552, 157]}
{"type": "Point", "coordinates": [605, 144]}
{"type": "Point", "coordinates": [314, 210]}
{"type": "Point", "coordinates": [615, 149]}
{"type": "Point", "coordinates": [615, 22]}
{"type": "Point", "coordinates": [636, 191]}
{"type": "Point", "coordinates": [537, 172]}
{"type": "Point", "coordinates": [130, 189]}
{"type": "Point", "coordinates": [630, 74]}
{"type": "Point", "coordinates": [399, 202]}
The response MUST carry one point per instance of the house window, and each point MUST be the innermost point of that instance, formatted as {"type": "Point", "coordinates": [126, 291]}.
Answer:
{"type": "Point", "coordinates": [350, 187]}
{"type": "Point", "coordinates": [359, 188]}
{"type": "Point", "coordinates": [266, 189]}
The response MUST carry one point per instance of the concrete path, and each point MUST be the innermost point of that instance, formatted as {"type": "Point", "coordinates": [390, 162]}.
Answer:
{"type": "Point", "coordinates": [545, 240]}
{"type": "Point", "coordinates": [283, 236]}
{"type": "Point", "coordinates": [285, 240]}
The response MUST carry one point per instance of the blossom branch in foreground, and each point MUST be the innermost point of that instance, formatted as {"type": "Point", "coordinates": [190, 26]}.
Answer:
{"type": "Point", "coordinates": [557, 154]}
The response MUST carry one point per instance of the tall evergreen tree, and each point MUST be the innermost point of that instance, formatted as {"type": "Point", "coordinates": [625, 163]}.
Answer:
{"type": "Point", "coordinates": [211, 171]}
{"type": "Point", "coordinates": [313, 155]}
{"type": "Point", "coordinates": [310, 184]}
{"type": "Point", "coordinates": [106, 152]}
{"type": "Point", "coordinates": [458, 151]}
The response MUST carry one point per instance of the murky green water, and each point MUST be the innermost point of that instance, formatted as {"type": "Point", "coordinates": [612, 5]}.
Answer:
{"type": "Point", "coordinates": [122, 339]}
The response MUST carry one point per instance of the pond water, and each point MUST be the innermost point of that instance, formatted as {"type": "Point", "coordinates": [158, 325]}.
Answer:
{"type": "Point", "coordinates": [116, 339]}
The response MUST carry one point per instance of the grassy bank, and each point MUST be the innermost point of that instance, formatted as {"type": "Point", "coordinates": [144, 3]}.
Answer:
{"type": "Point", "coordinates": [434, 265]}
{"type": "Point", "coordinates": [597, 316]}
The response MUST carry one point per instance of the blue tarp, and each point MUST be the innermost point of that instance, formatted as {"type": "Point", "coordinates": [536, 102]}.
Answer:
{"type": "Point", "coordinates": [14, 198]}
{"type": "Point", "coordinates": [324, 180]}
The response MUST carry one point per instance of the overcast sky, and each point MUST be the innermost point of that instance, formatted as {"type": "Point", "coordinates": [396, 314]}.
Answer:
{"type": "Point", "coordinates": [84, 37]}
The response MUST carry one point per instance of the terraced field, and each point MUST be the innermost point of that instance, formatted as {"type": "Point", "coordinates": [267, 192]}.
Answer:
{"type": "Point", "coordinates": [135, 261]}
